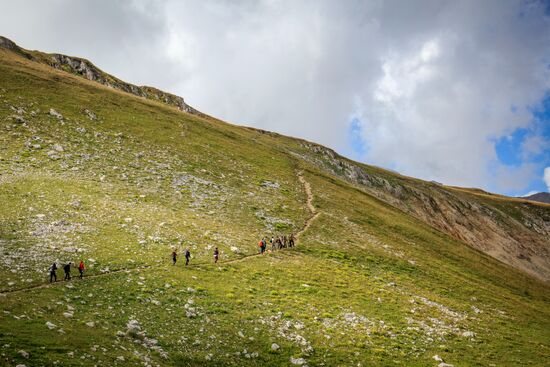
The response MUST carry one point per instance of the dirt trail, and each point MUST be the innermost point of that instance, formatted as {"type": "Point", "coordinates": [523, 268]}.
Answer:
{"type": "Point", "coordinates": [309, 220]}
{"type": "Point", "coordinates": [309, 203]}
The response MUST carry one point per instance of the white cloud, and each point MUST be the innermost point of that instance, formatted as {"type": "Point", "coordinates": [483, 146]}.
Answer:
{"type": "Point", "coordinates": [547, 177]}
{"type": "Point", "coordinates": [434, 82]}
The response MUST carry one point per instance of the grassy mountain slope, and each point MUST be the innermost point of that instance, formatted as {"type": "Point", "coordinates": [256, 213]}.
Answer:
{"type": "Point", "coordinates": [369, 283]}
{"type": "Point", "coordinates": [515, 231]}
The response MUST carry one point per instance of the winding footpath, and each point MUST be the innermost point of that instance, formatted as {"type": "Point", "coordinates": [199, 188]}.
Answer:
{"type": "Point", "coordinates": [314, 214]}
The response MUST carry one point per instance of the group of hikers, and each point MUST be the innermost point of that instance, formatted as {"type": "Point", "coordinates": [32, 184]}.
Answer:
{"type": "Point", "coordinates": [187, 256]}
{"type": "Point", "coordinates": [277, 243]}
{"type": "Point", "coordinates": [66, 270]}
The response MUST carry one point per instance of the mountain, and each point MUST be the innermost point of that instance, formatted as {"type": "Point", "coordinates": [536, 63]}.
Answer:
{"type": "Point", "coordinates": [541, 197]}
{"type": "Point", "coordinates": [388, 269]}
{"type": "Point", "coordinates": [84, 68]}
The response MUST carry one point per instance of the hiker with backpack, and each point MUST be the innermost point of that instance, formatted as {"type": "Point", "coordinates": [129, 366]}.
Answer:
{"type": "Point", "coordinates": [263, 245]}
{"type": "Point", "coordinates": [53, 275]}
{"type": "Point", "coordinates": [216, 255]}
{"type": "Point", "coordinates": [272, 242]}
{"type": "Point", "coordinates": [174, 257]}
{"type": "Point", "coordinates": [187, 256]}
{"type": "Point", "coordinates": [81, 269]}
{"type": "Point", "coordinates": [67, 270]}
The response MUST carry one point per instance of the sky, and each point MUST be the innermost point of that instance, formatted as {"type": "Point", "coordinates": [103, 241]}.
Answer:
{"type": "Point", "coordinates": [452, 91]}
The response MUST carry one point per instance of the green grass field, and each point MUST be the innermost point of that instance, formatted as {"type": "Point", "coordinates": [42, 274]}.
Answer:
{"type": "Point", "coordinates": [367, 284]}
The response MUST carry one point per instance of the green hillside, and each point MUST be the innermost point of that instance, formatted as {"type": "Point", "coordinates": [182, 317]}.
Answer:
{"type": "Point", "coordinates": [95, 174]}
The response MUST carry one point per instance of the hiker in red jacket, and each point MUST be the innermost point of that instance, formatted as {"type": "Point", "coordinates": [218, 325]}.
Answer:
{"type": "Point", "coordinates": [81, 268]}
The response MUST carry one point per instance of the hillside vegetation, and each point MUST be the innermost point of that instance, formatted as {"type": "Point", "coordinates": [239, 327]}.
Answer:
{"type": "Point", "coordinates": [388, 270]}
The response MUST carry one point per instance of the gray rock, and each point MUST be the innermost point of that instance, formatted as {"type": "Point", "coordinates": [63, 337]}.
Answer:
{"type": "Point", "coordinates": [23, 353]}
{"type": "Point", "coordinates": [468, 334]}
{"type": "Point", "coordinates": [55, 114]}
{"type": "Point", "coordinates": [90, 114]}
{"type": "Point", "coordinates": [18, 119]}
{"type": "Point", "coordinates": [297, 361]}
{"type": "Point", "coordinates": [52, 154]}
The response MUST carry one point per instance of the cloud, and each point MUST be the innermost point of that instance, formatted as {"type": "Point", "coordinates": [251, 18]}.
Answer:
{"type": "Point", "coordinates": [547, 177]}
{"type": "Point", "coordinates": [426, 87]}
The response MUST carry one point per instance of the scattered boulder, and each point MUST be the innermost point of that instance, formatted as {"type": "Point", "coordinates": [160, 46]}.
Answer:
{"type": "Point", "coordinates": [270, 184]}
{"type": "Point", "coordinates": [50, 325]}
{"type": "Point", "coordinates": [300, 361]}
{"type": "Point", "coordinates": [275, 347]}
{"type": "Point", "coordinates": [133, 329]}
{"type": "Point", "coordinates": [23, 354]}
{"type": "Point", "coordinates": [468, 334]}
{"type": "Point", "coordinates": [18, 119]}
{"type": "Point", "coordinates": [91, 115]}
{"type": "Point", "coordinates": [55, 114]}
{"type": "Point", "coordinates": [52, 154]}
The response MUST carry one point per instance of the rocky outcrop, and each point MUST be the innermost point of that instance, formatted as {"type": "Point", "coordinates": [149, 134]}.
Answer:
{"type": "Point", "coordinates": [516, 233]}
{"type": "Point", "coordinates": [86, 69]}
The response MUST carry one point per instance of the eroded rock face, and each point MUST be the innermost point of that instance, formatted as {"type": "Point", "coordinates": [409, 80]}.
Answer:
{"type": "Point", "coordinates": [6, 43]}
{"type": "Point", "coordinates": [89, 71]}
{"type": "Point", "coordinates": [517, 234]}
{"type": "Point", "coordinates": [86, 69]}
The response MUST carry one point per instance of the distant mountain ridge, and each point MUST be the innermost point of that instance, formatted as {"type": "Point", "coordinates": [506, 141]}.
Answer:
{"type": "Point", "coordinates": [85, 69]}
{"type": "Point", "coordinates": [541, 197]}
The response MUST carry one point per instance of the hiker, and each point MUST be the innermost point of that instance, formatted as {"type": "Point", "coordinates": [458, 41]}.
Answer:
{"type": "Point", "coordinates": [81, 268]}
{"type": "Point", "coordinates": [187, 256]}
{"type": "Point", "coordinates": [216, 255]}
{"type": "Point", "coordinates": [53, 275]}
{"type": "Point", "coordinates": [291, 240]}
{"type": "Point", "coordinates": [67, 270]}
{"type": "Point", "coordinates": [264, 245]}
{"type": "Point", "coordinates": [174, 257]}
{"type": "Point", "coordinates": [261, 246]}
{"type": "Point", "coordinates": [272, 242]}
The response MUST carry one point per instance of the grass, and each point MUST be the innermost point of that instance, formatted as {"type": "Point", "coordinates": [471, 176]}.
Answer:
{"type": "Point", "coordinates": [368, 284]}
